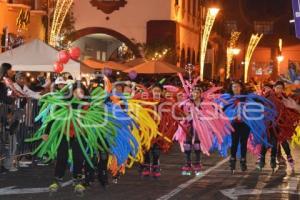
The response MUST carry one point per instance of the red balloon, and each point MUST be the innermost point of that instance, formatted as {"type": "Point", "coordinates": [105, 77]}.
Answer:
{"type": "Point", "coordinates": [58, 67]}
{"type": "Point", "coordinates": [63, 57]}
{"type": "Point", "coordinates": [74, 53]}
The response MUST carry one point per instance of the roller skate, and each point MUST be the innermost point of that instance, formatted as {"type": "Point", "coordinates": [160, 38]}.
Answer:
{"type": "Point", "coordinates": [232, 165]}
{"type": "Point", "coordinates": [55, 185]}
{"type": "Point", "coordinates": [291, 162]}
{"type": "Point", "coordinates": [155, 171]}
{"type": "Point", "coordinates": [78, 187]}
{"type": "Point", "coordinates": [146, 170]}
{"type": "Point", "coordinates": [186, 170]}
{"type": "Point", "coordinates": [273, 164]}
{"type": "Point", "coordinates": [261, 164]}
{"type": "Point", "coordinates": [197, 169]}
{"type": "Point", "coordinates": [116, 178]}
{"type": "Point", "coordinates": [243, 164]}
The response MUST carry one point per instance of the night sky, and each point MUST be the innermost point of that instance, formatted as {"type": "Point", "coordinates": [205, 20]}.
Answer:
{"type": "Point", "coordinates": [266, 8]}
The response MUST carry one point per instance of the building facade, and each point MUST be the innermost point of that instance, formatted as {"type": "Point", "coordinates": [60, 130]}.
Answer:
{"type": "Point", "coordinates": [271, 18]}
{"type": "Point", "coordinates": [171, 24]}
{"type": "Point", "coordinates": [21, 19]}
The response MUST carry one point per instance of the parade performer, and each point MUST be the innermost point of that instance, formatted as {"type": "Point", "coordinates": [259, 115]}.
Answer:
{"type": "Point", "coordinates": [144, 124]}
{"type": "Point", "coordinates": [272, 130]}
{"type": "Point", "coordinates": [287, 122]}
{"type": "Point", "coordinates": [249, 114]}
{"type": "Point", "coordinates": [73, 129]}
{"type": "Point", "coordinates": [205, 121]}
{"type": "Point", "coordinates": [156, 101]}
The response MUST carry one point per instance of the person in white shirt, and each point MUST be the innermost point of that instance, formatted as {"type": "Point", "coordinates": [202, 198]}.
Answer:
{"type": "Point", "coordinates": [22, 87]}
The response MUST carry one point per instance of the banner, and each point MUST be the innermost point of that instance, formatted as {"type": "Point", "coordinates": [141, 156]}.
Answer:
{"type": "Point", "coordinates": [296, 11]}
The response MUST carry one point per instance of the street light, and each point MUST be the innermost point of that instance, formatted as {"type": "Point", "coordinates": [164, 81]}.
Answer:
{"type": "Point", "coordinates": [235, 51]}
{"type": "Point", "coordinates": [280, 58]}
{"type": "Point", "coordinates": [214, 11]}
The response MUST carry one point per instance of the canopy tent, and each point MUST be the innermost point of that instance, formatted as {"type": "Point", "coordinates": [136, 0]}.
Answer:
{"type": "Point", "coordinates": [155, 67]}
{"type": "Point", "coordinates": [135, 62]}
{"type": "Point", "coordinates": [97, 65]}
{"type": "Point", "coordinates": [38, 56]}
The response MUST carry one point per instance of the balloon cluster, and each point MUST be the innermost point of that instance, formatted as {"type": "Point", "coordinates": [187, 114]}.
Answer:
{"type": "Point", "coordinates": [64, 57]}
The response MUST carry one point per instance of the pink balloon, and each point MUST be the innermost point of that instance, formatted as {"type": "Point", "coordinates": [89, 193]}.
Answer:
{"type": "Point", "coordinates": [63, 57]}
{"type": "Point", "coordinates": [74, 53]}
{"type": "Point", "coordinates": [58, 67]}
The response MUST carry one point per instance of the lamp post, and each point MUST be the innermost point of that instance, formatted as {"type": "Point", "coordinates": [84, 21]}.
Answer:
{"type": "Point", "coordinates": [235, 52]}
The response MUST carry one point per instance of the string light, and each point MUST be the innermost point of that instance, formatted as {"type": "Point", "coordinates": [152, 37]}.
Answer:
{"type": "Point", "coordinates": [231, 50]}
{"type": "Point", "coordinates": [159, 56]}
{"type": "Point", "coordinates": [251, 47]}
{"type": "Point", "coordinates": [61, 9]}
{"type": "Point", "coordinates": [210, 19]}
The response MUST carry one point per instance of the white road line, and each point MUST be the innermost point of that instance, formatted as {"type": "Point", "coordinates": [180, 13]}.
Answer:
{"type": "Point", "coordinates": [293, 183]}
{"type": "Point", "coordinates": [185, 185]}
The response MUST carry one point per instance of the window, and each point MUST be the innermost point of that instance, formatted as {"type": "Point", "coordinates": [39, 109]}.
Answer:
{"type": "Point", "coordinates": [189, 7]}
{"type": "Point", "coordinates": [265, 27]}
{"type": "Point", "coordinates": [176, 2]}
{"type": "Point", "coordinates": [230, 26]}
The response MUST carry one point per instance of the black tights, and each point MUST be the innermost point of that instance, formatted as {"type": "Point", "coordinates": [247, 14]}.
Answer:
{"type": "Point", "coordinates": [62, 158]}
{"type": "Point", "coordinates": [155, 152]}
{"type": "Point", "coordinates": [273, 141]}
{"type": "Point", "coordinates": [240, 135]}
{"type": "Point", "coordinates": [286, 147]}
{"type": "Point", "coordinates": [188, 147]}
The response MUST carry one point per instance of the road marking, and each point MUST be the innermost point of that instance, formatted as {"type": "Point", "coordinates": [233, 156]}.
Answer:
{"type": "Point", "coordinates": [12, 190]}
{"type": "Point", "coordinates": [234, 193]}
{"type": "Point", "coordinates": [293, 183]}
{"type": "Point", "coordinates": [185, 185]}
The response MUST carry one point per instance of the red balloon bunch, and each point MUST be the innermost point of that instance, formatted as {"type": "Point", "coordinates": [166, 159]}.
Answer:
{"type": "Point", "coordinates": [64, 57]}
{"type": "Point", "coordinates": [58, 67]}
{"type": "Point", "coordinates": [74, 53]}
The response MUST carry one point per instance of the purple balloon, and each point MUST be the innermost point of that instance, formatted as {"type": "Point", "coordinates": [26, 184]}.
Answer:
{"type": "Point", "coordinates": [107, 71]}
{"type": "Point", "coordinates": [132, 75]}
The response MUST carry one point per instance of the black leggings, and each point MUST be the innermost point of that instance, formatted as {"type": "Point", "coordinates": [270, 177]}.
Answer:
{"type": "Point", "coordinates": [189, 146]}
{"type": "Point", "coordinates": [155, 151]}
{"type": "Point", "coordinates": [286, 147]}
{"type": "Point", "coordinates": [273, 141]}
{"type": "Point", "coordinates": [62, 158]}
{"type": "Point", "coordinates": [240, 135]}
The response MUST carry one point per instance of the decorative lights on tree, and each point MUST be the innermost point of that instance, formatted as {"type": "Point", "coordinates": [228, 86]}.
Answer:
{"type": "Point", "coordinates": [255, 38]}
{"type": "Point", "coordinates": [210, 19]}
{"type": "Point", "coordinates": [232, 50]}
{"type": "Point", "coordinates": [61, 10]}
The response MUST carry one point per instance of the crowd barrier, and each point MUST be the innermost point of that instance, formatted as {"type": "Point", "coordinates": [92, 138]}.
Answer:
{"type": "Point", "coordinates": [16, 124]}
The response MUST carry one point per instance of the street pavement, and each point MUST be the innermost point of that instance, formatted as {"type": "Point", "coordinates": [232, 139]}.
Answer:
{"type": "Point", "coordinates": [216, 182]}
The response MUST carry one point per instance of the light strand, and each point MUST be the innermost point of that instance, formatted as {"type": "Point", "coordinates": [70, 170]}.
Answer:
{"type": "Point", "coordinates": [255, 38]}
{"type": "Point", "coordinates": [62, 8]}
{"type": "Point", "coordinates": [232, 44]}
{"type": "Point", "coordinates": [210, 19]}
